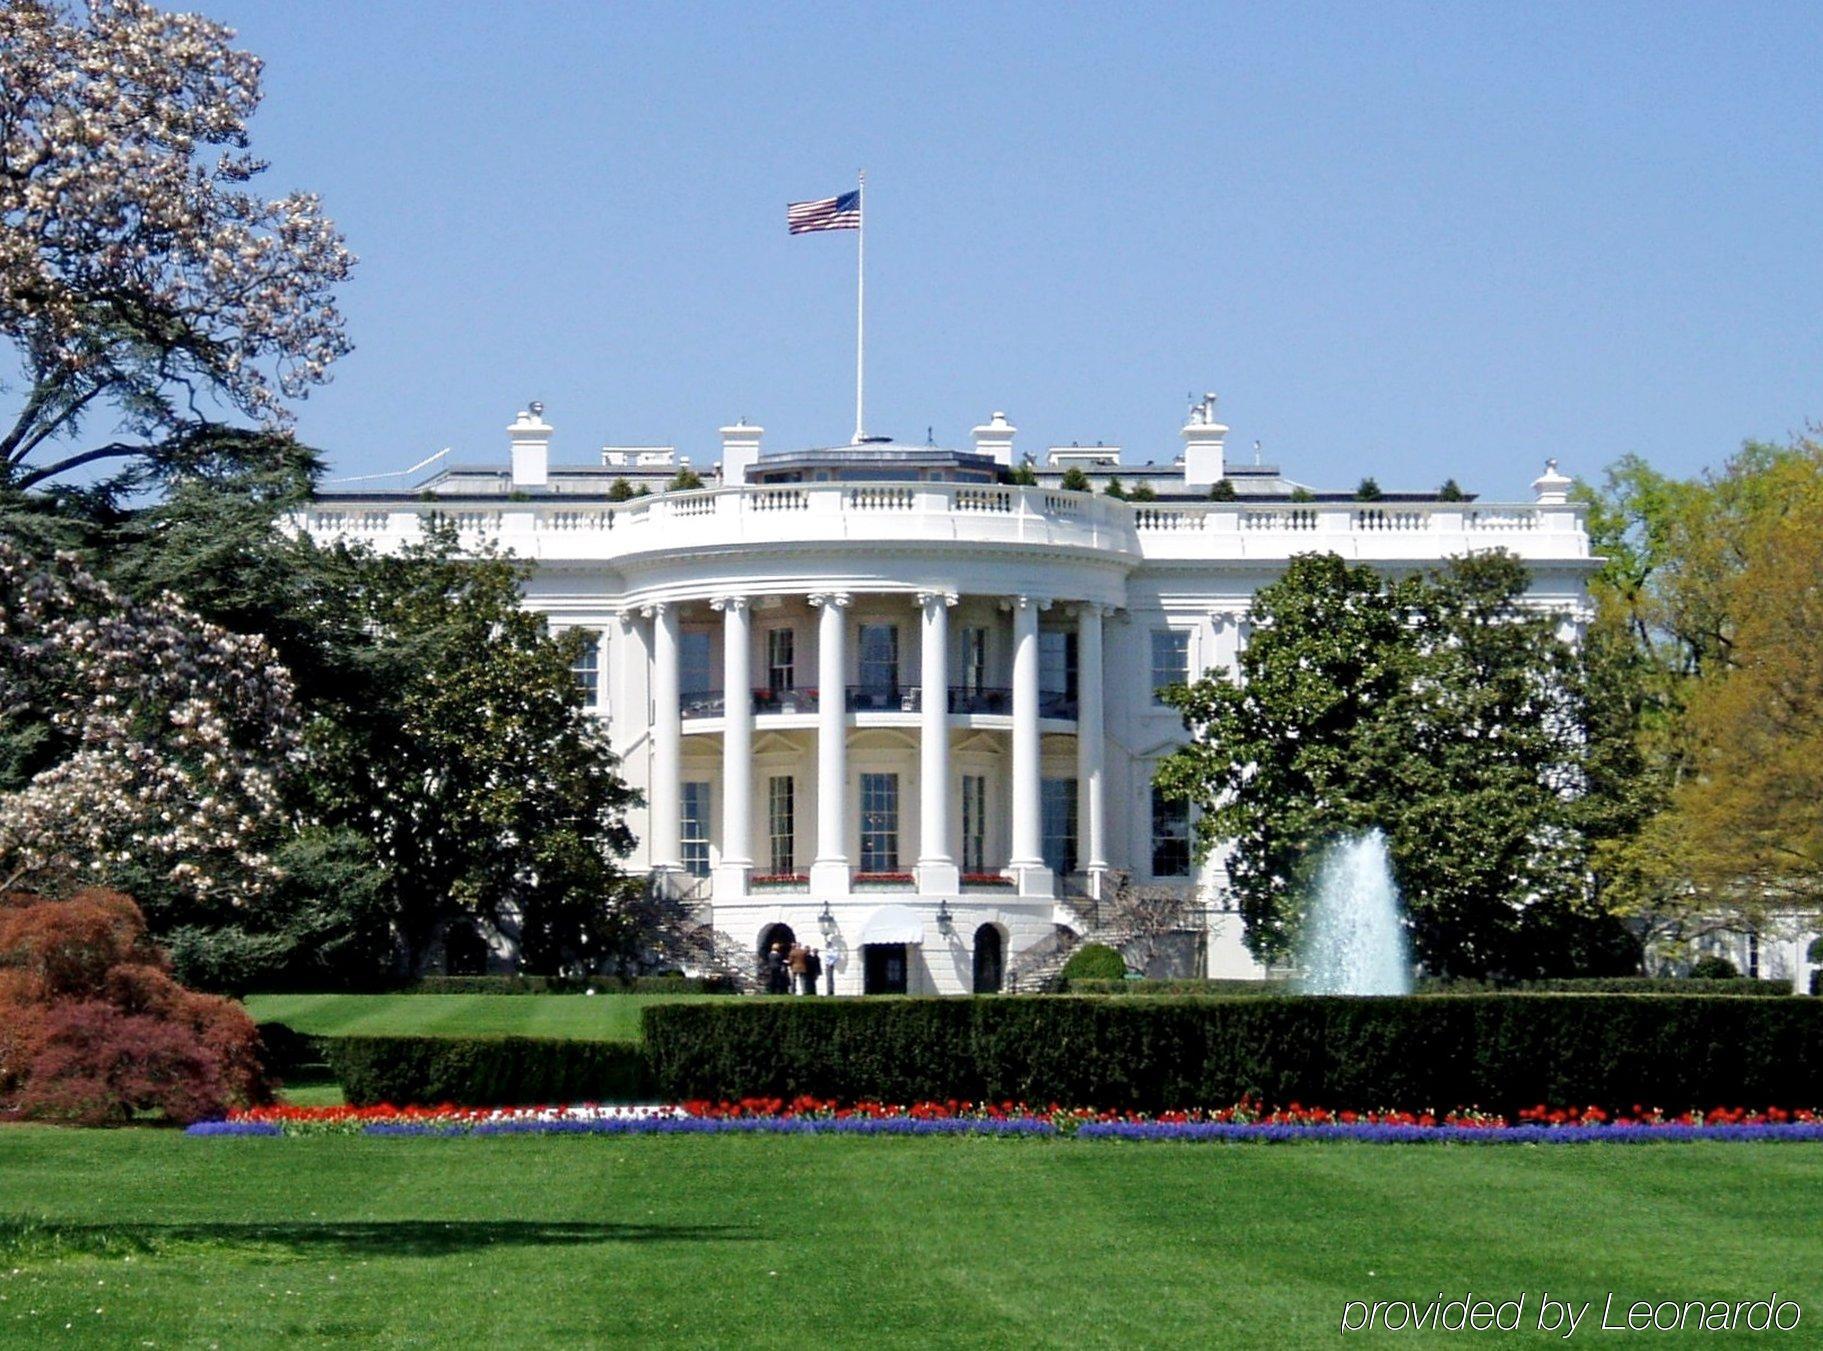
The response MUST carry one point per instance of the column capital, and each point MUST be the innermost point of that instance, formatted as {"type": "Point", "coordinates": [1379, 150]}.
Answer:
{"type": "Point", "coordinates": [656, 609]}
{"type": "Point", "coordinates": [836, 599]}
{"type": "Point", "coordinates": [1094, 607]}
{"type": "Point", "coordinates": [726, 603]}
{"type": "Point", "coordinates": [930, 599]}
{"type": "Point", "coordinates": [1235, 615]}
{"type": "Point", "coordinates": [1026, 603]}
{"type": "Point", "coordinates": [624, 619]}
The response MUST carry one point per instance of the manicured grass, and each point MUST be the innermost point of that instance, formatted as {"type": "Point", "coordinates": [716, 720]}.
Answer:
{"type": "Point", "coordinates": [145, 1236]}
{"type": "Point", "coordinates": [607, 1017]}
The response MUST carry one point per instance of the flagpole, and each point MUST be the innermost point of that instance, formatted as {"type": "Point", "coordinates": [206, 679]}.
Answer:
{"type": "Point", "coordinates": [860, 306]}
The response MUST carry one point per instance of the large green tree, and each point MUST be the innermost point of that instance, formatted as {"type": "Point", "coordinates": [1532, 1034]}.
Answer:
{"type": "Point", "coordinates": [1442, 709]}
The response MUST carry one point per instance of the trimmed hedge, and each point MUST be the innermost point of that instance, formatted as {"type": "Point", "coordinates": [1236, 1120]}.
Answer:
{"type": "Point", "coordinates": [1186, 985]}
{"type": "Point", "coordinates": [1727, 985]}
{"type": "Point", "coordinates": [571, 985]}
{"type": "Point", "coordinates": [487, 1071]}
{"type": "Point", "coordinates": [1497, 1051]}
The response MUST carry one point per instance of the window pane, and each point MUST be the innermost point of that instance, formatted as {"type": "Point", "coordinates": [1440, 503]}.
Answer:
{"type": "Point", "coordinates": [974, 823]}
{"type": "Point", "coordinates": [781, 815]}
{"type": "Point", "coordinates": [879, 823]}
{"type": "Point", "coordinates": [974, 659]}
{"type": "Point", "coordinates": [781, 660]}
{"type": "Point", "coordinates": [1170, 835]}
{"type": "Point", "coordinates": [879, 657]}
{"type": "Point", "coordinates": [1170, 660]}
{"type": "Point", "coordinates": [693, 663]}
{"type": "Point", "coordinates": [586, 668]}
{"type": "Point", "coordinates": [695, 828]}
{"type": "Point", "coordinates": [1057, 662]}
{"type": "Point", "coordinates": [1059, 813]}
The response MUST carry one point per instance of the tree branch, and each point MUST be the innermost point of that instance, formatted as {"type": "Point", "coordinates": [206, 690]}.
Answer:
{"type": "Point", "coordinates": [115, 450]}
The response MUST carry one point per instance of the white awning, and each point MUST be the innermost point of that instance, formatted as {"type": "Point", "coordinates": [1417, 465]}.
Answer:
{"type": "Point", "coordinates": [892, 924]}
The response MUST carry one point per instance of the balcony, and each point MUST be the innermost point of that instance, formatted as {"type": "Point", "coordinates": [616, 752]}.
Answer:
{"type": "Point", "coordinates": [994, 701]}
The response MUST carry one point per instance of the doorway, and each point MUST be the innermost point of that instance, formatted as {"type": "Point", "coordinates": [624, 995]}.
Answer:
{"type": "Point", "coordinates": [883, 968]}
{"type": "Point", "coordinates": [990, 960]}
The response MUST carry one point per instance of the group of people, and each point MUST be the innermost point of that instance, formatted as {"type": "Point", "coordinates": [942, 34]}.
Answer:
{"type": "Point", "coordinates": [795, 970]}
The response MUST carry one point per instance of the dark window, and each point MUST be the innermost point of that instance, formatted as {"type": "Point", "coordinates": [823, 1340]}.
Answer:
{"type": "Point", "coordinates": [693, 674]}
{"type": "Point", "coordinates": [1170, 660]}
{"type": "Point", "coordinates": [1170, 835]}
{"type": "Point", "coordinates": [587, 670]}
{"type": "Point", "coordinates": [1059, 824]}
{"type": "Point", "coordinates": [974, 823]}
{"type": "Point", "coordinates": [880, 658]}
{"type": "Point", "coordinates": [781, 660]}
{"type": "Point", "coordinates": [781, 819]}
{"type": "Point", "coordinates": [696, 829]}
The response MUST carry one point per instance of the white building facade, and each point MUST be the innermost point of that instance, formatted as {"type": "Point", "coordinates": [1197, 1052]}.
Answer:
{"type": "Point", "coordinates": [889, 696]}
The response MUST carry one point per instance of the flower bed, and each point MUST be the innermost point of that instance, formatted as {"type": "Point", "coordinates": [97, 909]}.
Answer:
{"type": "Point", "coordinates": [1243, 1122]}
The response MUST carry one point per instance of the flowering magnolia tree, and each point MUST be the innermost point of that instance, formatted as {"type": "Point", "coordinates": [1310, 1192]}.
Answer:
{"type": "Point", "coordinates": [138, 270]}
{"type": "Point", "coordinates": [133, 734]}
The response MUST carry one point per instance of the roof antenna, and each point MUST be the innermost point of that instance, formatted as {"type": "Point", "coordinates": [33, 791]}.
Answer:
{"type": "Point", "coordinates": [930, 434]}
{"type": "Point", "coordinates": [1256, 454]}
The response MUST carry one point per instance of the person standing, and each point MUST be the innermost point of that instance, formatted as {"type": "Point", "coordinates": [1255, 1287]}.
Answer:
{"type": "Point", "coordinates": [831, 955]}
{"type": "Point", "coordinates": [813, 967]}
{"type": "Point", "coordinates": [799, 961]}
{"type": "Point", "coordinates": [775, 969]}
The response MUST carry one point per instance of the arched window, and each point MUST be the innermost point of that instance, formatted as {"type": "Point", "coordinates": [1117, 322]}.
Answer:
{"type": "Point", "coordinates": [990, 959]}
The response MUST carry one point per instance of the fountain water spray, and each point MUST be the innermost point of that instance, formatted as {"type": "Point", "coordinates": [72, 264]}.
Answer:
{"type": "Point", "coordinates": [1354, 937]}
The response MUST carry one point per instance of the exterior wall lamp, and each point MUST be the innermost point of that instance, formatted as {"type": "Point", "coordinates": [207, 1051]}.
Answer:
{"type": "Point", "coordinates": [827, 921]}
{"type": "Point", "coordinates": [946, 922]}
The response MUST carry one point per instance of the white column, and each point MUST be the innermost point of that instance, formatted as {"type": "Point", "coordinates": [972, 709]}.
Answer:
{"type": "Point", "coordinates": [1027, 862]}
{"type": "Point", "coordinates": [937, 871]}
{"type": "Point", "coordinates": [737, 748]}
{"type": "Point", "coordinates": [1091, 788]}
{"type": "Point", "coordinates": [829, 870]}
{"type": "Point", "coordinates": [664, 794]}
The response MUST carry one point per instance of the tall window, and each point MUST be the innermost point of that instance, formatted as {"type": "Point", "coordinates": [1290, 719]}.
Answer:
{"type": "Point", "coordinates": [781, 660]}
{"type": "Point", "coordinates": [974, 823]}
{"type": "Point", "coordinates": [880, 658]}
{"type": "Point", "coordinates": [879, 823]}
{"type": "Point", "coordinates": [693, 675]}
{"type": "Point", "coordinates": [1170, 660]}
{"type": "Point", "coordinates": [695, 828]}
{"type": "Point", "coordinates": [781, 823]}
{"type": "Point", "coordinates": [1170, 835]}
{"type": "Point", "coordinates": [1058, 810]}
{"type": "Point", "coordinates": [587, 669]}
{"type": "Point", "coordinates": [974, 659]}
{"type": "Point", "coordinates": [1057, 662]}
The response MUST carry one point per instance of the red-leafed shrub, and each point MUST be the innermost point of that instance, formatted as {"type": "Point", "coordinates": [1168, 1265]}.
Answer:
{"type": "Point", "coordinates": [93, 1028]}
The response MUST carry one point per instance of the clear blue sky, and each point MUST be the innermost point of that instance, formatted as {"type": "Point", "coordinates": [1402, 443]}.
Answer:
{"type": "Point", "coordinates": [1406, 240]}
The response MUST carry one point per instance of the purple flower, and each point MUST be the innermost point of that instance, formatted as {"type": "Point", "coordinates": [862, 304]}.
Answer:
{"type": "Point", "coordinates": [235, 1128]}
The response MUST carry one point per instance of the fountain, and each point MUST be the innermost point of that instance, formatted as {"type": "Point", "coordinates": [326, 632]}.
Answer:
{"type": "Point", "coordinates": [1354, 938]}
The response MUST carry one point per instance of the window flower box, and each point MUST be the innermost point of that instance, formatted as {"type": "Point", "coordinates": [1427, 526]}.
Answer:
{"type": "Point", "coordinates": [882, 881]}
{"type": "Point", "coordinates": [986, 880]}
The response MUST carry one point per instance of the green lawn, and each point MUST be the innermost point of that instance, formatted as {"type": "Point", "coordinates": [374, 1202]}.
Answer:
{"type": "Point", "coordinates": [144, 1237]}
{"type": "Point", "coordinates": [584, 1017]}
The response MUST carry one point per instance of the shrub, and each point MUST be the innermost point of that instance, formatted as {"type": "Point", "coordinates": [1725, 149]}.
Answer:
{"type": "Point", "coordinates": [1188, 985]}
{"type": "Point", "coordinates": [93, 1028]}
{"type": "Point", "coordinates": [1075, 481]}
{"type": "Point", "coordinates": [1095, 961]}
{"type": "Point", "coordinates": [1502, 1052]}
{"type": "Point", "coordinates": [1713, 968]}
{"type": "Point", "coordinates": [487, 1071]}
{"type": "Point", "coordinates": [684, 480]}
{"type": "Point", "coordinates": [1368, 491]}
{"type": "Point", "coordinates": [1222, 491]}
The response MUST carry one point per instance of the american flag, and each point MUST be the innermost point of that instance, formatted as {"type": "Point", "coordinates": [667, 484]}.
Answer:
{"type": "Point", "coordinates": [832, 213]}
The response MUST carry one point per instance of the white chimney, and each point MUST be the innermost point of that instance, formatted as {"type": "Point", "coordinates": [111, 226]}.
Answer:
{"type": "Point", "coordinates": [1204, 465]}
{"type": "Point", "coordinates": [995, 437]}
{"type": "Point", "coordinates": [1553, 488]}
{"type": "Point", "coordinates": [740, 449]}
{"type": "Point", "coordinates": [531, 439]}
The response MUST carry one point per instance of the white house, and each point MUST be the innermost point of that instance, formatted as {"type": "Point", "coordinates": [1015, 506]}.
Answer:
{"type": "Point", "coordinates": [885, 693]}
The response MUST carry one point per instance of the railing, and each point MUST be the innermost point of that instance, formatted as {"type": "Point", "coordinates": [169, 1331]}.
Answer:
{"type": "Point", "coordinates": [980, 699]}
{"type": "Point", "coordinates": [1056, 704]}
{"type": "Point", "coordinates": [882, 699]}
{"type": "Point", "coordinates": [785, 701]}
{"type": "Point", "coordinates": [985, 514]}
{"type": "Point", "coordinates": [701, 704]}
